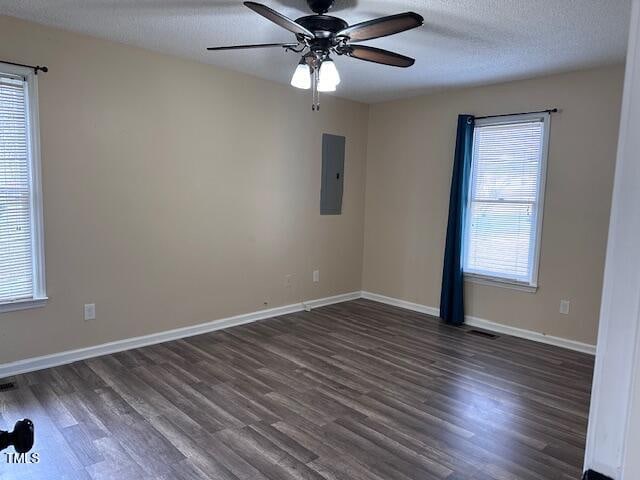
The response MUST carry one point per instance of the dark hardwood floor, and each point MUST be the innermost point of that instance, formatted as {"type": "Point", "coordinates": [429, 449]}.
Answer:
{"type": "Point", "coordinates": [358, 390]}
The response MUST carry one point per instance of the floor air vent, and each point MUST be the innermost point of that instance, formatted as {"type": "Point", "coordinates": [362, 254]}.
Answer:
{"type": "Point", "coordinates": [4, 386]}
{"type": "Point", "coordinates": [480, 333]}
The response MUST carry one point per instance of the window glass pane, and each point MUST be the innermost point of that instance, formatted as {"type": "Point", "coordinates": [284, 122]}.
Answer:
{"type": "Point", "coordinates": [502, 215]}
{"type": "Point", "coordinates": [500, 239]}
{"type": "Point", "coordinates": [16, 263]}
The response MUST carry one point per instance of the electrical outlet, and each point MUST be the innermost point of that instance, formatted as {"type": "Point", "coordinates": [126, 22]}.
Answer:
{"type": "Point", "coordinates": [89, 311]}
{"type": "Point", "coordinates": [564, 307]}
{"type": "Point", "coordinates": [316, 276]}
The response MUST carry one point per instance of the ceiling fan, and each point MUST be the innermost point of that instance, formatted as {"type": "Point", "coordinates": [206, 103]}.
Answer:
{"type": "Point", "coordinates": [320, 35]}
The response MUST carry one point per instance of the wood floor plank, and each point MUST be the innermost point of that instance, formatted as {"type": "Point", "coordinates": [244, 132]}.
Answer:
{"type": "Point", "coordinates": [352, 391]}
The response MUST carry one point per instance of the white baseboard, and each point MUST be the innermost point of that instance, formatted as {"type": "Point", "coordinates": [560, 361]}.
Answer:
{"type": "Point", "coordinates": [487, 324]}
{"type": "Point", "coordinates": [62, 358]}
{"type": "Point", "coordinates": [530, 335]}
{"type": "Point", "coordinates": [323, 302]}
{"type": "Point", "coordinates": [396, 302]}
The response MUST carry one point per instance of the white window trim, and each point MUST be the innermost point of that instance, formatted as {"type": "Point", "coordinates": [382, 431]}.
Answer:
{"type": "Point", "coordinates": [39, 298]}
{"type": "Point", "coordinates": [23, 304]}
{"type": "Point", "coordinates": [498, 281]}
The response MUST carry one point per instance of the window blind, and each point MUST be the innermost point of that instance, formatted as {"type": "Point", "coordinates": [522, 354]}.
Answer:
{"type": "Point", "coordinates": [502, 215]}
{"type": "Point", "coordinates": [16, 258]}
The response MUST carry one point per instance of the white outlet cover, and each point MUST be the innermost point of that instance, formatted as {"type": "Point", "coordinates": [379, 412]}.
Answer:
{"type": "Point", "coordinates": [564, 307]}
{"type": "Point", "coordinates": [89, 311]}
{"type": "Point", "coordinates": [316, 276]}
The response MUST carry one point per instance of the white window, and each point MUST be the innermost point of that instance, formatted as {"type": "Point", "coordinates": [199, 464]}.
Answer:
{"type": "Point", "coordinates": [505, 203]}
{"type": "Point", "coordinates": [22, 282]}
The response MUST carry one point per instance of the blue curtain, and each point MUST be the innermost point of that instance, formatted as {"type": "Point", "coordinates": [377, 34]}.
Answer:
{"type": "Point", "coordinates": [452, 293]}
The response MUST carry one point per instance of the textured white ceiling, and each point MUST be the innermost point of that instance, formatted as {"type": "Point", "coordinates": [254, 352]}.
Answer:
{"type": "Point", "coordinates": [463, 42]}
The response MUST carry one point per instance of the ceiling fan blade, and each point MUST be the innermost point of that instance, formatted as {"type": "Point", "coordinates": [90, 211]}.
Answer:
{"type": "Point", "coordinates": [279, 19]}
{"type": "Point", "coordinates": [381, 27]}
{"type": "Point", "coordinates": [378, 55]}
{"type": "Point", "coordinates": [258, 45]}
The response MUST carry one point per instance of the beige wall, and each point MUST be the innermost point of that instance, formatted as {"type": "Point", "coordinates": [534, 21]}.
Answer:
{"type": "Point", "coordinates": [409, 166]}
{"type": "Point", "coordinates": [176, 193]}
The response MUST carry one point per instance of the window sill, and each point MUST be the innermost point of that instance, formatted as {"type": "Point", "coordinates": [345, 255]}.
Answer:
{"type": "Point", "coordinates": [23, 304]}
{"type": "Point", "coordinates": [500, 282]}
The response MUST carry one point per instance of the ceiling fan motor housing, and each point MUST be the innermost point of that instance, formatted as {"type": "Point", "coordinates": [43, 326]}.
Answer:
{"type": "Point", "coordinates": [320, 6]}
{"type": "Point", "coordinates": [322, 26]}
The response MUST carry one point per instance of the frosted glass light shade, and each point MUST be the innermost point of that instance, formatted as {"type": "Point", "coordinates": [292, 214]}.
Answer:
{"type": "Point", "coordinates": [329, 76]}
{"type": "Point", "coordinates": [302, 76]}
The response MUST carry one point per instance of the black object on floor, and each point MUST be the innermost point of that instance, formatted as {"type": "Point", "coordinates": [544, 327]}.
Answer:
{"type": "Point", "coordinates": [592, 475]}
{"type": "Point", "coordinates": [21, 438]}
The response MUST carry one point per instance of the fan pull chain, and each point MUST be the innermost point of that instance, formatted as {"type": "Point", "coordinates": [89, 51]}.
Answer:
{"type": "Point", "coordinates": [315, 94]}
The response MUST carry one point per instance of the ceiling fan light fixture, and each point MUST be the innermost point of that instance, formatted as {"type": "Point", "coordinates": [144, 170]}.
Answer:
{"type": "Point", "coordinates": [329, 76]}
{"type": "Point", "coordinates": [302, 76]}
{"type": "Point", "coordinates": [317, 36]}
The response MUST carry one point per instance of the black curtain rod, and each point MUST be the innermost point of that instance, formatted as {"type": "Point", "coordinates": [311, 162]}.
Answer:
{"type": "Point", "coordinates": [550, 110]}
{"type": "Point", "coordinates": [35, 68]}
